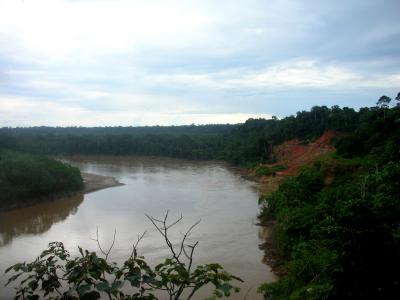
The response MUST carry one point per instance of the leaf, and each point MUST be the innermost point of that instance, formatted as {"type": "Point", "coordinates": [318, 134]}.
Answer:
{"type": "Point", "coordinates": [12, 278]}
{"type": "Point", "coordinates": [27, 278]}
{"type": "Point", "coordinates": [116, 285]}
{"type": "Point", "coordinates": [33, 284]}
{"type": "Point", "coordinates": [103, 286]}
{"type": "Point", "coordinates": [15, 267]}
{"type": "Point", "coordinates": [134, 279]}
{"type": "Point", "coordinates": [82, 289]}
{"type": "Point", "coordinates": [214, 267]}
{"type": "Point", "coordinates": [237, 278]}
{"type": "Point", "coordinates": [226, 289]}
{"type": "Point", "coordinates": [93, 295]}
{"type": "Point", "coordinates": [218, 293]}
{"type": "Point", "coordinates": [119, 274]}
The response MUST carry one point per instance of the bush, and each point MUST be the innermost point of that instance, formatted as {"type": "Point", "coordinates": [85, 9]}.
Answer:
{"type": "Point", "coordinates": [263, 171]}
{"type": "Point", "coordinates": [91, 277]}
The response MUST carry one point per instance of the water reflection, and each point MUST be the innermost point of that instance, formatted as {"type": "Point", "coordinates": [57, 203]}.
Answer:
{"type": "Point", "coordinates": [36, 219]}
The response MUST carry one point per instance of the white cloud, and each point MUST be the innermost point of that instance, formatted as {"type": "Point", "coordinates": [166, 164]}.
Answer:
{"type": "Point", "coordinates": [61, 30]}
{"type": "Point", "coordinates": [20, 111]}
{"type": "Point", "coordinates": [68, 102]}
{"type": "Point", "coordinates": [292, 74]}
{"type": "Point", "coordinates": [302, 73]}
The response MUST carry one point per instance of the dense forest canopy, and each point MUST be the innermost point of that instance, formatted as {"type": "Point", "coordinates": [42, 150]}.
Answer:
{"type": "Point", "coordinates": [338, 222]}
{"type": "Point", "coordinates": [246, 143]}
{"type": "Point", "coordinates": [131, 130]}
{"type": "Point", "coordinates": [26, 179]}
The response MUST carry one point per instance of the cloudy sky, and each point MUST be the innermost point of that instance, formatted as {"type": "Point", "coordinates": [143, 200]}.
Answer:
{"type": "Point", "coordinates": [127, 62]}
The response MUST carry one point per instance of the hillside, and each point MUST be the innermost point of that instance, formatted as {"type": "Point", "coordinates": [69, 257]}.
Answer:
{"type": "Point", "coordinates": [295, 154]}
{"type": "Point", "coordinates": [336, 218]}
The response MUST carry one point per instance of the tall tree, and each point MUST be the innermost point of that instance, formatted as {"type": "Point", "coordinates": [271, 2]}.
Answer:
{"type": "Point", "coordinates": [383, 103]}
{"type": "Point", "coordinates": [398, 99]}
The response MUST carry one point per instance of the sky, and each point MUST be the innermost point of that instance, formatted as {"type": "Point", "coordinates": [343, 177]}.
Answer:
{"type": "Point", "coordinates": [162, 62]}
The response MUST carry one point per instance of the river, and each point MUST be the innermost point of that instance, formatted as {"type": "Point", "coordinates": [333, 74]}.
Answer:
{"type": "Point", "coordinates": [225, 202]}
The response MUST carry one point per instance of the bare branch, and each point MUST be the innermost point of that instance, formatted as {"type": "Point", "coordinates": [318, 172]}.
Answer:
{"type": "Point", "coordinates": [134, 246]}
{"type": "Point", "coordinates": [164, 232]}
{"type": "Point", "coordinates": [163, 226]}
{"type": "Point", "coordinates": [160, 221]}
{"type": "Point", "coordinates": [174, 223]}
{"type": "Point", "coordinates": [191, 255]}
{"type": "Point", "coordinates": [186, 235]}
{"type": "Point", "coordinates": [186, 254]}
{"type": "Point", "coordinates": [247, 293]}
{"type": "Point", "coordinates": [105, 253]}
{"type": "Point", "coordinates": [166, 217]}
{"type": "Point", "coordinates": [152, 220]}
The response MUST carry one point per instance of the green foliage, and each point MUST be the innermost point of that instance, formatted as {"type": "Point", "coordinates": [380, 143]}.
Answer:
{"type": "Point", "coordinates": [278, 168]}
{"type": "Point", "coordinates": [263, 171]}
{"type": "Point", "coordinates": [57, 275]}
{"type": "Point", "coordinates": [335, 236]}
{"type": "Point", "coordinates": [25, 178]}
{"type": "Point", "coordinates": [313, 264]}
{"type": "Point", "coordinates": [242, 144]}
{"type": "Point", "coordinates": [384, 101]}
{"type": "Point", "coordinates": [247, 144]}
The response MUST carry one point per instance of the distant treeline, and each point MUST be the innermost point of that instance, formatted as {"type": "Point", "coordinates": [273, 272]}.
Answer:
{"type": "Point", "coordinates": [250, 142]}
{"type": "Point", "coordinates": [25, 179]}
{"type": "Point", "coordinates": [130, 130]}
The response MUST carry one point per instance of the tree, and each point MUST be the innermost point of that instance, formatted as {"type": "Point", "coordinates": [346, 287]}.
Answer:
{"type": "Point", "coordinates": [56, 275]}
{"type": "Point", "coordinates": [383, 103]}
{"type": "Point", "coordinates": [398, 99]}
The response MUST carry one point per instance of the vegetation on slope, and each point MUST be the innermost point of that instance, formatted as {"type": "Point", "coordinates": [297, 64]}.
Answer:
{"type": "Point", "coordinates": [340, 238]}
{"type": "Point", "coordinates": [25, 179]}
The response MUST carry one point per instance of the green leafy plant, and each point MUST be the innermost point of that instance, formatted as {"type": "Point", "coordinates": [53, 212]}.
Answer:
{"type": "Point", "coordinates": [57, 275]}
{"type": "Point", "coordinates": [263, 171]}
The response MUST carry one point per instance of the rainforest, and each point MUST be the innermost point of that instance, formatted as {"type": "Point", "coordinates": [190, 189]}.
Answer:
{"type": "Point", "coordinates": [334, 217]}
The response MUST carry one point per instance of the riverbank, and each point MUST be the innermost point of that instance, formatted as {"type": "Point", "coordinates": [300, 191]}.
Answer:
{"type": "Point", "coordinates": [91, 183]}
{"type": "Point", "coordinates": [95, 182]}
{"type": "Point", "coordinates": [293, 155]}
{"type": "Point", "coordinates": [265, 186]}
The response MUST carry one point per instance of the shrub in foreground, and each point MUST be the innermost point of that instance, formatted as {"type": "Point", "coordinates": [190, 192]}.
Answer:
{"type": "Point", "coordinates": [57, 275]}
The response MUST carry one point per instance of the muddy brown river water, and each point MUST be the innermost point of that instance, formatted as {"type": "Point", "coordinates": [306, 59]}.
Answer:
{"type": "Point", "coordinates": [226, 203]}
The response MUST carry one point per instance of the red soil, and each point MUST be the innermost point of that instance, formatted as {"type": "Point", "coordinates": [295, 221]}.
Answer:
{"type": "Point", "coordinates": [295, 155]}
